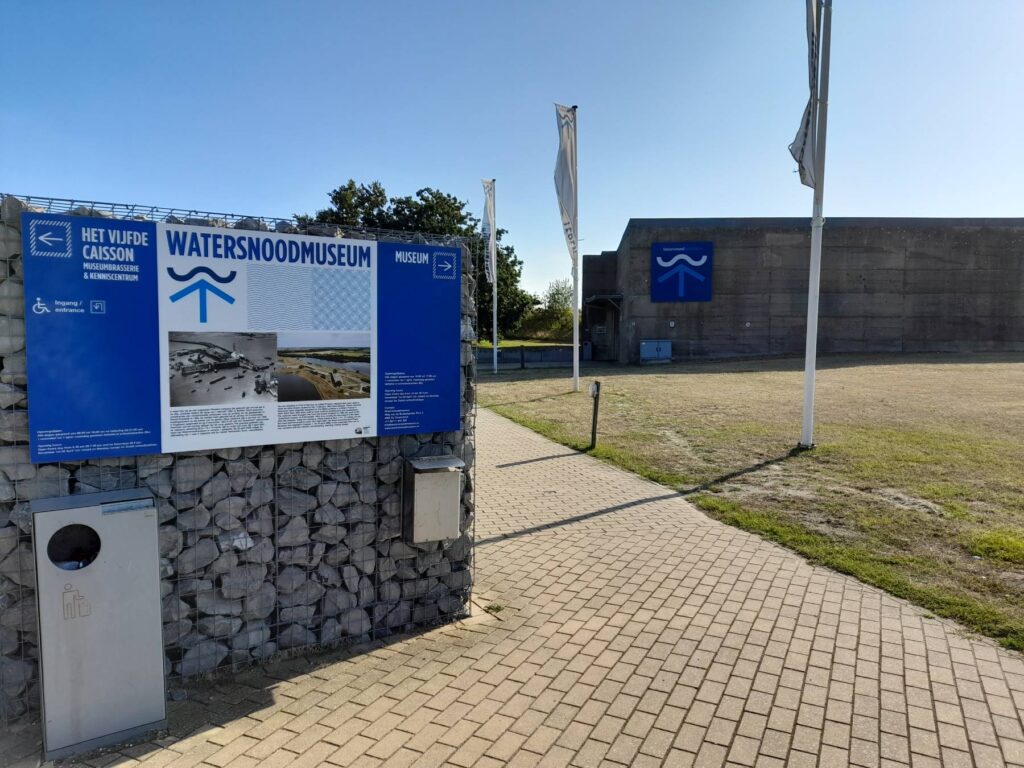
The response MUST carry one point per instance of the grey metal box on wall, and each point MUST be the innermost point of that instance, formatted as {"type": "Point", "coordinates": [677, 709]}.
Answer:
{"type": "Point", "coordinates": [98, 593]}
{"type": "Point", "coordinates": [431, 499]}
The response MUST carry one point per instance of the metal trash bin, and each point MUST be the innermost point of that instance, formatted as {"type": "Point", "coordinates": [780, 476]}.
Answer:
{"type": "Point", "coordinates": [98, 594]}
{"type": "Point", "coordinates": [432, 499]}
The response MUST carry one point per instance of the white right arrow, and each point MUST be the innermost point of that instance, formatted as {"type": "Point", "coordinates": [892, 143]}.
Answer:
{"type": "Point", "coordinates": [49, 238]}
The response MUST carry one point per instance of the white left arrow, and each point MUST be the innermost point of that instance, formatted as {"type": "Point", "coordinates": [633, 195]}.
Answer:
{"type": "Point", "coordinates": [49, 238]}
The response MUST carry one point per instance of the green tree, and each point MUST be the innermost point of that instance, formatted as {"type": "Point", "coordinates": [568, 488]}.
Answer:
{"type": "Point", "coordinates": [558, 295]}
{"type": "Point", "coordinates": [431, 211]}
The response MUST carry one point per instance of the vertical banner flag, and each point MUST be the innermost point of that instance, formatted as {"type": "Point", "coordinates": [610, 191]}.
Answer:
{"type": "Point", "coordinates": [565, 175]}
{"type": "Point", "coordinates": [803, 148]}
{"type": "Point", "coordinates": [490, 232]}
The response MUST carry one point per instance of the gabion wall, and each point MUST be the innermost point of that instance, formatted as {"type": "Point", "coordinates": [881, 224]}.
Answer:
{"type": "Point", "coordinates": [264, 549]}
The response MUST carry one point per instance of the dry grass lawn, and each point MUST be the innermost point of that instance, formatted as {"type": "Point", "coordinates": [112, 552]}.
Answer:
{"type": "Point", "coordinates": [916, 484]}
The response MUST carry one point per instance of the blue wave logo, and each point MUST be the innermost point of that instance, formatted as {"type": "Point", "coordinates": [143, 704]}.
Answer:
{"type": "Point", "coordinates": [202, 287]}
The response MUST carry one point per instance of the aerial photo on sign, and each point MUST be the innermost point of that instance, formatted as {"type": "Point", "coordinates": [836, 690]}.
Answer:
{"type": "Point", "coordinates": [323, 366]}
{"type": "Point", "coordinates": [219, 368]}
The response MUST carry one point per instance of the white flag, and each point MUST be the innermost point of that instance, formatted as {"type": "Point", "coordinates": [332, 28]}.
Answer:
{"type": "Point", "coordinates": [803, 148]}
{"type": "Point", "coordinates": [490, 232]}
{"type": "Point", "coordinates": [565, 175]}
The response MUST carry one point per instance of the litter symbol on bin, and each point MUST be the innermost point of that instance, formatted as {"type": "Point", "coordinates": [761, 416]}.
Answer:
{"type": "Point", "coordinates": [75, 606]}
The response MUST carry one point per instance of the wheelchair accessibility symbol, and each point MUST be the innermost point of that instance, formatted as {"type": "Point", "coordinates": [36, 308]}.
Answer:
{"type": "Point", "coordinates": [40, 308]}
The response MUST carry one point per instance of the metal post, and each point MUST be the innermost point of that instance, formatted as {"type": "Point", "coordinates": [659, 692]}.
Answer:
{"type": "Point", "coordinates": [494, 285]}
{"type": "Point", "coordinates": [817, 222]}
{"type": "Point", "coordinates": [576, 265]}
{"type": "Point", "coordinates": [595, 390]}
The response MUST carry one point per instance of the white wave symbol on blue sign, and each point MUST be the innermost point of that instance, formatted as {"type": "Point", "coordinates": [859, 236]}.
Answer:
{"type": "Point", "coordinates": [683, 257]}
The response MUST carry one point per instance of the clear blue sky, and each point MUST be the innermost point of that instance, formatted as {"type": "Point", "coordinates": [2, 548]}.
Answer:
{"type": "Point", "coordinates": [686, 107]}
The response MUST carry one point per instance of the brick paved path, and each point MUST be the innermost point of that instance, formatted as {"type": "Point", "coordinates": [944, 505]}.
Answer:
{"type": "Point", "coordinates": [634, 631]}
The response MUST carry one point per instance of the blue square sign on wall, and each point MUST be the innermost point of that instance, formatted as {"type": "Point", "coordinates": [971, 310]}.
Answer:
{"type": "Point", "coordinates": [681, 271]}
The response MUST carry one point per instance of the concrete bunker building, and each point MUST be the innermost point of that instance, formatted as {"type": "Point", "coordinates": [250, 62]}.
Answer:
{"type": "Point", "coordinates": [887, 285]}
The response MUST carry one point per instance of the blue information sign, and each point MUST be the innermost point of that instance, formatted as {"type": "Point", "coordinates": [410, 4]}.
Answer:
{"type": "Point", "coordinates": [148, 337]}
{"type": "Point", "coordinates": [681, 271]}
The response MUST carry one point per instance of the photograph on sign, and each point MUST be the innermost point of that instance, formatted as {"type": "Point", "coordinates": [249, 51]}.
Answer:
{"type": "Point", "coordinates": [323, 366]}
{"type": "Point", "coordinates": [218, 368]}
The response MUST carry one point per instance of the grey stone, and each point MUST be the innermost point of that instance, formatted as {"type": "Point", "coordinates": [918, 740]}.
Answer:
{"type": "Point", "coordinates": [202, 658]}
{"type": "Point", "coordinates": [232, 505]}
{"type": "Point", "coordinates": [361, 470]}
{"type": "Point", "coordinates": [160, 483]}
{"type": "Point", "coordinates": [219, 626]}
{"type": "Point", "coordinates": [14, 461]}
{"type": "Point", "coordinates": [192, 472]}
{"type": "Point", "coordinates": [330, 534]}
{"type": "Point", "coordinates": [153, 463]}
{"type": "Point", "coordinates": [338, 600]}
{"type": "Point", "coordinates": [13, 371]}
{"type": "Point", "coordinates": [355, 622]}
{"type": "Point", "coordinates": [175, 631]}
{"type": "Point", "coordinates": [300, 614]}
{"type": "Point", "coordinates": [351, 577]}
{"type": "Point", "coordinates": [226, 522]}
{"type": "Point", "coordinates": [307, 594]}
{"type": "Point", "coordinates": [261, 522]}
{"type": "Point", "coordinates": [294, 533]}
{"type": "Point", "coordinates": [252, 634]}
{"type": "Point", "coordinates": [328, 575]}
{"type": "Point", "coordinates": [240, 541]}
{"type": "Point", "coordinates": [261, 492]}
{"type": "Point", "coordinates": [365, 559]}
{"type": "Point", "coordinates": [193, 519]}
{"type": "Point", "coordinates": [266, 465]}
{"type": "Point", "coordinates": [20, 566]}
{"type": "Point", "coordinates": [344, 495]}
{"type": "Point", "coordinates": [337, 555]}
{"type": "Point", "coordinates": [400, 615]}
{"type": "Point", "coordinates": [225, 562]}
{"type": "Point", "coordinates": [218, 487]}
{"type": "Point", "coordinates": [367, 491]}
{"type": "Point", "coordinates": [295, 636]}
{"type": "Point", "coordinates": [367, 594]}
{"type": "Point", "coordinates": [261, 603]}
{"type": "Point", "coordinates": [229, 454]}
{"type": "Point", "coordinates": [308, 555]}
{"type": "Point", "coordinates": [329, 514]}
{"type": "Point", "coordinates": [330, 632]}
{"type": "Point", "coordinates": [401, 550]}
{"type": "Point", "coordinates": [290, 579]}
{"type": "Point", "coordinates": [289, 460]}
{"type": "Point", "coordinates": [12, 298]}
{"type": "Point", "coordinates": [192, 587]}
{"type": "Point", "coordinates": [361, 452]}
{"type": "Point", "coordinates": [8, 640]}
{"type": "Point", "coordinates": [105, 478]}
{"type": "Point", "coordinates": [169, 538]}
{"type": "Point", "coordinates": [49, 481]}
{"type": "Point", "coordinates": [386, 568]}
{"type": "Point", "coordinates": [213, 603]}
{"type": "Point", "coordinates": [389, 592]}
{"type": "Point", "coordinates": [20, 615]}
{"type": "Point", "coordinates": [390, 472]}
{"type": "Point", "coordinates": [312, 455]}
{"type": "Point", "coordinates": [264, 651]}
{"type": "Point", "coordinates": [361, 513]}
{"type": "Point", "coordinates": [325, 492]}
{"type": "Point", "coordinates": [241, 475]}
{"type": "Point", "coordinates": [12, 335]}
{"type": "Point", "coordinates": [11, 396]}
{"type": "Point", "coordinates": [262, 552]}
{"type": "Point", "coordinates": [8, 539]}
{"type": "Point", "coordinates": [248, 222]}
{"type": "Point", "coordinates": [299, 477]}
{"type": "Point", "coordinates": [451, 604]}
{"type": "Point", "coordinates": [293, 502]}
{"type": "Point", "coordinates": [173, 609]}
{"type": "Point", "coordinates": [336, 461]}
{"type": "Point", "coordinates": [243, 580]}
{"type": "Point", "coordinates": [361, 535]}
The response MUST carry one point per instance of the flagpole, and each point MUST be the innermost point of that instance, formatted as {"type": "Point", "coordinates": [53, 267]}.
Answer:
{"type": "Point", "coordinates": [817, 222]}
{"type": "Point", "coordinates": [576, 263]}
{"type": "Point", "coordinates": [492, 253]}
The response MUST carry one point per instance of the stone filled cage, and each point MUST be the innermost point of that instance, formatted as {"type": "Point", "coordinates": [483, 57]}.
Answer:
{"type": "Point", "coordinates": [265, 550]}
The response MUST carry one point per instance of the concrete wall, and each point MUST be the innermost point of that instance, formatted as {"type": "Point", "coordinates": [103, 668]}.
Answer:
{"type": "Point", "coordinates": [887, 285]}
{"type": "Point", "coordinates": [263, 549]}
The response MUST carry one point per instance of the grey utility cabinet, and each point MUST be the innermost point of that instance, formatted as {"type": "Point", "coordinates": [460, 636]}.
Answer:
{"type": "Point", "coordinates": [432, 499]}
{"type": "Point", "coordinates": [98, 591]}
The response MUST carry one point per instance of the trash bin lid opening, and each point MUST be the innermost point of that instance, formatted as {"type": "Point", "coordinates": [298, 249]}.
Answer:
{"type": "Point", "coordinates": [73, 547]}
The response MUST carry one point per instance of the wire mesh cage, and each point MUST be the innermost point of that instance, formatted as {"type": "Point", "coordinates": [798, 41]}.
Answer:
{"type": "Point", "coordinates": [263, 550]}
